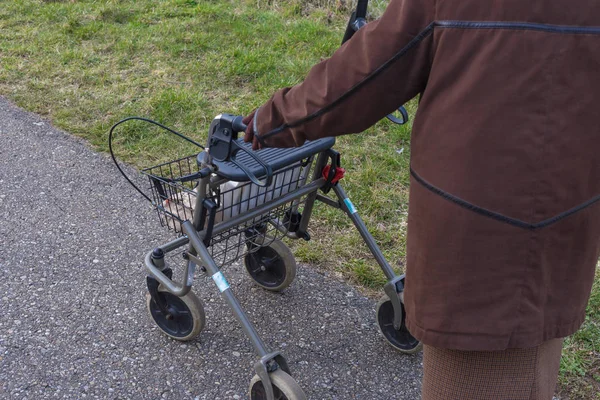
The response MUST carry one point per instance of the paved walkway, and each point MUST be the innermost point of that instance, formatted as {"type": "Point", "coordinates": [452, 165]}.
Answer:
{"type": "Point", "coordinates": [73, 323]}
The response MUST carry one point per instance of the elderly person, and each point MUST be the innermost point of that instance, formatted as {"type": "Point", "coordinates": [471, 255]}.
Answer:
{"type": "Point", "coordinates": [504, 212]}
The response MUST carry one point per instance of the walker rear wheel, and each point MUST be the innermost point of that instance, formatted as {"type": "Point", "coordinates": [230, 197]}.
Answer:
{"type": "Point", "coordinates": [284, 387]}
{"type": "Point", "coordinates": [184, 319]}
{"type": "Point", "coordinates": [399, 339]}
{"type": "Point", "coordinates": [272, 267]}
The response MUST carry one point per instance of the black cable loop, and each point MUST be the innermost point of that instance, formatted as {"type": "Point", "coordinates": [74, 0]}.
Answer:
{"type": "Point", "coordinates": [112, 154]}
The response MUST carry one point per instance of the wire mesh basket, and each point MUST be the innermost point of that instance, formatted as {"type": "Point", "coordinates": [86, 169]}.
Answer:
{"type": "Point", "coordinates": [175, 197]}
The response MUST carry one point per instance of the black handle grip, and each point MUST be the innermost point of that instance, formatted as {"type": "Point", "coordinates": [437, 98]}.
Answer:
{"type": "Point", "coordinates": [349, 28]}
{"type": "Point", "coordinates": [357, 20]}
{"type": "Point", "coordinates": [361, 8]}
{"type": "Point", "coordinates": [237, 125]}
{"type": "Point", "coordinates": [399, 121]}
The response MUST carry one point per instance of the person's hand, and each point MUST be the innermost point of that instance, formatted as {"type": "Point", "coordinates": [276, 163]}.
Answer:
{"type": "Point", "coordinates": [249, 134]}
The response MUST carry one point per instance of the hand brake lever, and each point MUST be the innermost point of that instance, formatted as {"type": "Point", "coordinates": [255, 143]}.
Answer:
{"type": "Point", "coordinates": [224, 146]}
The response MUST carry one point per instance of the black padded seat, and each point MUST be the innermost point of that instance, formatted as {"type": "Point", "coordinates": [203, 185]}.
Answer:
{"type": "Point", "coordinates": [276, 158]}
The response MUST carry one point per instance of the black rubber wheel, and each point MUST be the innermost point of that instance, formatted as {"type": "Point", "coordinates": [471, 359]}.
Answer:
{"type": "Point", "coordinates": [401, 339]}
{"type": "Point", "coordinates": [272, 267]}
{"type": "Point", "coordinates": [284, 387]}
{"type": "Point", "coordinates": [185, 319]}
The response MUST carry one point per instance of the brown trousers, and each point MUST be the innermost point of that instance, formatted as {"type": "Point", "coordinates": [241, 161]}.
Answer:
{"type": "Point", "coordinates": [514, 374]}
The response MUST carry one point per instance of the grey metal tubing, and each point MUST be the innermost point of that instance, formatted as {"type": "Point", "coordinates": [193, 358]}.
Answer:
{"type": "Point", "coordinates": [397, 298]}
{"type": "Point", "coordinates": [227, 293]}
{"type": "Point", "coordinates": [283, 229]}
{"type": "Point", "coordinates": [291, 235]}
{"type": "Point", "coordinates": [182, 290]}
{"type": "Point", "coordinates": [174, 245]}
{"type": "Point", "coordinates": [156, 272]}
{"type": "Point", "coordinates": [328, 201]}
{"type": "Point", "coordinates": [308, 205]}
{"type": "Point", "coordinates": [305, 170]}
{"type": "Point", "coordinates": [364, 232]}
{"type": "Point", "coordinates": [310, 200]}
{"type": "Point", "coordinates": [199, 209]}
{"type": "Point", "coordinates": [171, 286]}
{"type": "Point", "coordinates": [264, 208]}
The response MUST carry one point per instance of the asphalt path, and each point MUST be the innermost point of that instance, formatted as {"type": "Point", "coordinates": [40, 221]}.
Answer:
{"type": "Point", "coordinates": [73, 323]}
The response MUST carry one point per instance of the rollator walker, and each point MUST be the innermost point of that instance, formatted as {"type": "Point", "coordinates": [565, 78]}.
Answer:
{"type": "Point", "coordinates": [229, 203]}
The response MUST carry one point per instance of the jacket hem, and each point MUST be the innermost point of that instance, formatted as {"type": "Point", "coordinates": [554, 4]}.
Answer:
{"type": "Point", "coordinates": [490, 342]}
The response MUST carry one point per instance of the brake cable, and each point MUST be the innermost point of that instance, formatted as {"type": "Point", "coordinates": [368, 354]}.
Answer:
{"type": "Point", "coordinates": [112, 154]}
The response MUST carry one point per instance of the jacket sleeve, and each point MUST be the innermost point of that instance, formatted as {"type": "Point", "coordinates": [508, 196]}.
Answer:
{"type": "Point", "coordinates": [385, 64]}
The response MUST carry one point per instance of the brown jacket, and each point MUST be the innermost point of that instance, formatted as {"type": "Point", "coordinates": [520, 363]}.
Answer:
{"type": "Point", "coordinates": [504, 214]}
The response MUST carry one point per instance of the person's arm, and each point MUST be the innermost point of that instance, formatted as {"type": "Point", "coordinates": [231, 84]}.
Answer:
{"type": "Point", "coordinates": [385, 64]}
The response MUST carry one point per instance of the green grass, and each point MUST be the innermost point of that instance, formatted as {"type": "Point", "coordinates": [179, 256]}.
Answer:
{"type": "Point", "coordinates": [87, 64]}
{"type": "Point", "coordinates": [580, 364]}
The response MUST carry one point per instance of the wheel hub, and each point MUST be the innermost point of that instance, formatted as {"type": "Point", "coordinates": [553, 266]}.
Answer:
{"type": "Point", "coordinates": [266, 267]}
{"type": "Point", "coordinates": [176, 320]}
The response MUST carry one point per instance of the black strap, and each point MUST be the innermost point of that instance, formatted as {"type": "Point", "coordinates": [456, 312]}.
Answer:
{"type": "Point", "coordinates": [497, 216]}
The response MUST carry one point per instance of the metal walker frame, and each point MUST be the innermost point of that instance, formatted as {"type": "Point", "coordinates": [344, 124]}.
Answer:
{"type": "Point", "coordinates": [197, 233]}
{"type": "Point", "coordinates": [196, 220]}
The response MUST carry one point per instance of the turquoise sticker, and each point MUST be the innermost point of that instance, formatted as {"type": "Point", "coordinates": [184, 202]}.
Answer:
{"type": "Point", "coordinates": [221, 282]}
{"type": "Point", "coordinates": [350, 206]}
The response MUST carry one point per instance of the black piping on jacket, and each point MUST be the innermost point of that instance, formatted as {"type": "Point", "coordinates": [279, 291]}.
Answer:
{"type": "Point", "coordinates": [497, 216]}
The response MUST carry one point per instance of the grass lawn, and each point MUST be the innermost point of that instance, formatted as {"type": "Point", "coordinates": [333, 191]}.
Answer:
{"type": "Point", "coordinates": [87, 64]}
{"type": "Point", "coordinates": [580, 366]}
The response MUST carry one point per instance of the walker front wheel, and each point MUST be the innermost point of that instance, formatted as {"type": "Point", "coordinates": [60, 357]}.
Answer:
{"type": "Point", "coordinates": [284, 387]}
{"type": "Point", "coordinates": [184, 318]}
{"type": "Point", "coordinates": [399, 339]}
